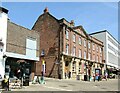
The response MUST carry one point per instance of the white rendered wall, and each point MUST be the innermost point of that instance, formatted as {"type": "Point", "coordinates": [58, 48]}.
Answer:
{"type": "Point", "coordinates": [102, 37]}
{"type": "Point", "coordinates": [3, 35]}
{"type": "Point", "coordinates": [31, 46]}
{"type": "Point", "coordinates": [112, 53]}
{"type": "Point", "coordinates": [110, 57]}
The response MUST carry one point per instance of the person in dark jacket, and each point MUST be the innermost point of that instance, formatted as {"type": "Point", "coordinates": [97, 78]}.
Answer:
{"type": "Point", "coordinates": [5, 83]}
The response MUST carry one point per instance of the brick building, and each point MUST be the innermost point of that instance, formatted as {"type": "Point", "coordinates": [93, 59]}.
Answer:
{"type": "Point", "coordinates": [21, 47]}
{"type": "Point", "coordinates": [69, 51]}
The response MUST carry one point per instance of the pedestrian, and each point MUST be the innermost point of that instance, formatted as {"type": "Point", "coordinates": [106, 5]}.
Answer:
{"type": "Point", "coordinates": [106, 75]}
{"type": "Point", "coordinates": [5, 83]}
{"type": "Point", "coordinates": [65, 75]}
{"type": "Point", "coordinates": [42, 78]}
{"type": "Point", "coordinates": [69, 75]}
{"type": "Point", "coordinates": [97, 76]}
{"type": "Point", "coordinates": [94, 77]}
{"type": "Point", "coordinates": [19, 73]}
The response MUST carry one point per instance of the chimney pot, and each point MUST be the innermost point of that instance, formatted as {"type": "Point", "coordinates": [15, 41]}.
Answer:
{"type": "Point", "coordinates": [46, 10]}
{"type": "Point", "coordinates": [72, 22]}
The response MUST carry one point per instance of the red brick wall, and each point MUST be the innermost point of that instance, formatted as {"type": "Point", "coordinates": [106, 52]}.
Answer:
{"type": "Point", "coordinates": [48, 27]}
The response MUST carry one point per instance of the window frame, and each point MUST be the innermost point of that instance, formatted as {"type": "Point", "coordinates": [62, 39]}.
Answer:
{"type": "Point", "coordinates": [85, 42]}
{"type": "Point", "coordinates": [80, 40]}
{"type": "Point", "coordinates": [67, 34]}
{"type": "Point", "coordinates": [74, 38]}
{"type": "Point", "coordinates": [80, 53]}
{"type": "Point", "coordinates": [85, 55]}
{"type": "Point", "coordinates": [67, 49]}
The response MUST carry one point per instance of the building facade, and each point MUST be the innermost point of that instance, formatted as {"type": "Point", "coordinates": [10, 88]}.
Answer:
{"type": "Point", "coordinates": [69, 51]}
{"type": "Point", "coordinates": [20, 50]}
{"type": "Point", "coordinates": [3, 36]}
{"type": "Point", "coordinates": [111, 48]}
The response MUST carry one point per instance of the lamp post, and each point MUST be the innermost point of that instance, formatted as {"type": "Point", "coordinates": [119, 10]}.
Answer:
{"type": "Point", "coordinates": [43, 67]}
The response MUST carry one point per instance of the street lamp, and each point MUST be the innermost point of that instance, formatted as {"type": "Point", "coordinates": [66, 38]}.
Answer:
{"type": "Point", "coordinates": [43, 66]}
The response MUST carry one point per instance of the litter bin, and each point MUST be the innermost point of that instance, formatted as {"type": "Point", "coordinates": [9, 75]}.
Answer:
{"type": "Point", "coordinates": [85, 77]}
{"type": "Point", "coordinates": [26, 81]}
{"type": "Point", "coordinates": [78, 77]}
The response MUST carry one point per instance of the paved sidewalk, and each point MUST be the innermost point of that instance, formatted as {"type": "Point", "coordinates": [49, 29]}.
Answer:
{"type": "Point", "coordinates": [53, 84]}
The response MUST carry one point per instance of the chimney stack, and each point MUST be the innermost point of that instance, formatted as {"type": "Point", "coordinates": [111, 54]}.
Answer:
{"type": "Point", "coordinates": [46, 10]}
{"type": "Point", "coordinates": [72, 23]}
{"type": "Point", "coordinates": [3, 10]}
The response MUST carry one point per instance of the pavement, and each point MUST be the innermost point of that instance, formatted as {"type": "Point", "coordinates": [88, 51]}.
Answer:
{"type": "Point", "coordinates": [72, 85]}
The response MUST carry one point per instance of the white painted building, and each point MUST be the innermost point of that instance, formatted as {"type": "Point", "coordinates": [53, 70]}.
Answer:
{"type": "Point", "coordinates": [17, 44]}
{"type": "Point", "coordinates": [3, 36]}
{"type": "Point", "coordinates": [111, 50]}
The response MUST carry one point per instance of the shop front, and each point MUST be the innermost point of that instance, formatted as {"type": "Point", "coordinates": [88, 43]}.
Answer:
{"type": "Point", "coordinates": [67, 67]}
{"type": "Point", "coordinates": [19, 68]}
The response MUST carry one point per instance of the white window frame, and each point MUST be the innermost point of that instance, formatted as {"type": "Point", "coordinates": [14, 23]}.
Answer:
{"type": "Point", "coordinates": [93, 58]}
{"type": "Point", "coordinates": [100, 59]}
{"type": "Point", "coordinates": [67, 34]}
{"type": "Point", "coordinates": [84, 54]}
{"type": "Point", "coordinates": [74, 37]}
{"type": "Point", "coordinates": [84, 42]}
{"type": "Point", "coordinates": [80, 53]}
{"type": "Point", "coordinates": [89, 44]}
{"type": "Point", "coordinates": [67, 48]}
{"type": "Point", "coordinates": [97, 59]}
{"type": "Point", "coordinates": [89, 56]}
{"type": "Point", "coordinates": [97, 48]}
{"type": "Point", "coordinates": [80, 40]}
{"type": "Point", "coordinates": [93, 46]}
{"type": "Point", "coordinates": [100, 49]}
{"type": "Point", "coordinates": [74, 51]}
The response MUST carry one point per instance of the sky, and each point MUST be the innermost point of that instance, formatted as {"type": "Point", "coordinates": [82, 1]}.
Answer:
{"type": "Point", "coordinates": [93, 16]}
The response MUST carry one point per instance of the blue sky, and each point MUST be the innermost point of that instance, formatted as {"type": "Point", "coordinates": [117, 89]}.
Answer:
{"type": "Point", "coordinates": [93, 16]}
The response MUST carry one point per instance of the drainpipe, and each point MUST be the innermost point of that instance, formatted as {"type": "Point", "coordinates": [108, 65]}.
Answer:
{"type": "Point", "coordinates": [60, 29]}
